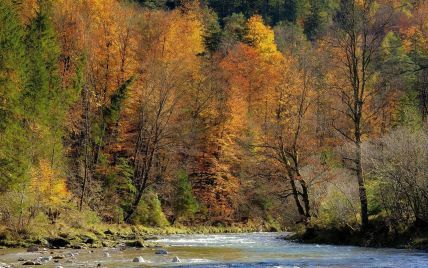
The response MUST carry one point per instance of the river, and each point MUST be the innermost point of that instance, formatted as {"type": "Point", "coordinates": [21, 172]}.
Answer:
{"type": "Point", "coordinates": [233, 250]}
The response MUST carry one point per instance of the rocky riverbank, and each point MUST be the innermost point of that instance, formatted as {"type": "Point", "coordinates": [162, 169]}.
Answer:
{"type": "Point", "coordinates": [218, 250]}
{"type": "Point", "coordinates": [99, 236]}
{"type": "Point", "coordinates": [376, 236]}
{"type": "Point", "coordinates": [68, 245]}
{"type": "Point", "coordinates": [62, 256]}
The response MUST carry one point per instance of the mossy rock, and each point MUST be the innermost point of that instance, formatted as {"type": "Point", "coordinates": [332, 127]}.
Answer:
{"type": "Point", "coordinates": [88, 238]}
{"type": "Point", "coordinates": [15, 244]}
{"type": "Point", "coordinates": [58, 242]}
{"type": "Point", "coordinates": [40, 242]}
{"type": "Point", "coordinates": [79, 246]}
{"type": "Point", "coordinates": [135, 244]}
{"type": "Point", "coordinates": [109, 243]}
{"type": "Point", "coordinates": [109, 232]}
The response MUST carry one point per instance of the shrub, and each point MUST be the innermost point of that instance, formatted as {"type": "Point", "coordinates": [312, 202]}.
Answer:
{"type": "Point", "coordinates": [149, 211]}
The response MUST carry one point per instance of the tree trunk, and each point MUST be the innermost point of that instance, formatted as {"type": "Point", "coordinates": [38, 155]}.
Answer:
{"type": "Point", "coordinates": [296, 198]}
{"type": "Point", "coordinates": [134, 206]}
{"type": "Point", "coordinates": [361, 185]}
{"type": "Point", "coordinates": [305, 197]}
{"type": "Point", "coordinates": [86, 146]}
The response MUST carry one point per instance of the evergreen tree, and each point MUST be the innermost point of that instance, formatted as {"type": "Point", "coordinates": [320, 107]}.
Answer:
{"type": "Point", "coordinates": [213, 32]}
{"type": "Point", "coordinates": [314, 24]}
{"type": "Point", "coordinates": [13, 156]}
{"type": "Point", "coordinates": [44, 99]}
{"type": "Point", "coordinates": [235, 30]}
{"type": "Point", "coordinates": [185, 205]}
{"type": "Point", "coordinates": [291, 10]}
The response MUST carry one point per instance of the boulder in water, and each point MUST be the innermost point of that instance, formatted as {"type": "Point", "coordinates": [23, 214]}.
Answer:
{"type": "Point", "coordinates": [4, 265]}
{"type": "Point", "coordinates": [138, 259]}
{"type": "Point", "coordinates": [107, 255]}
{"type": "Point", "coordinates": [176, 259]}
{"type": "Point", "coordinates": [161, 252]}
{"type": "Point", "coordinates": [135, 244]}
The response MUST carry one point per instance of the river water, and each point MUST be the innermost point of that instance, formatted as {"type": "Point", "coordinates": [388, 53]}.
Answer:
{"type": "Point", "coordinates": [234, 250]}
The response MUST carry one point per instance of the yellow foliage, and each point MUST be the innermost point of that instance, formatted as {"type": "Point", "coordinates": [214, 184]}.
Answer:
{"type": "Point", "coordinates": [47, 187]}
{"type": "Point", "coordinates": [261, 36]}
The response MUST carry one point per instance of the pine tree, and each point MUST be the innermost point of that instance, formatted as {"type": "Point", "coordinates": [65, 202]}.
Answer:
{"type": "Point", "coordinates": [185, 204]}
{"type": "Point", "coordinates": [314, 24]}
{"type": "Point", "coordinates": [13, 156]}
{"type": "Point", "coordinates": [44, 99]}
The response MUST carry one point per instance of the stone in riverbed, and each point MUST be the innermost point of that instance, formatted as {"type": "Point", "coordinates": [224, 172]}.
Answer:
{"type": "Point", "coordinates": [4, 265]}
{"type": "Point", "coordinates": [44, 259]}
{"type": "Point", "coordinates": [176, 259]}
{"type": "Point", "coordinates": [33, 249]}
{"type": "Point", "coordinates": [107, 255]}
{"type": "Point", "coordinates": [70, 255]}
{"type": "Point", "coordinates": [161, 252]}
{"type": "Point", "coordinates": [79, 246]}
{"type": "Point", "coordinates": [138, 259]}
{"type": "Point", "coordinates": [58, 257]}
{"type": "Point", "coordinates": [32, 263]}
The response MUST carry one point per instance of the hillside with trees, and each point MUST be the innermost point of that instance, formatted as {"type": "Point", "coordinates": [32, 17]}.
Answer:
{"type": "Point", "coordinates": [306, 115]}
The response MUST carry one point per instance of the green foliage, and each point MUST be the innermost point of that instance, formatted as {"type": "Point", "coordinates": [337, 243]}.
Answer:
{"type": "Point", "coordinates": [45, 101]}
{"type": "Point", "coordinates": [273, 11]}
{"type": "Point", "coordinates": [235, 29]}
{"type": "Point", "coordinates": [337, 210]}
{"type": "Point", "coordinates": [295, 10]}
{"type": "Point", "coordinates": [153, 4]}
{"type": "Point", "coordinates": [14, 158]}
{"type": "Point", "coordinates": [374, 193]}
{"type": "Point", "coordinates": [409, 114]}
{"type": "Point", "coordinates": [289, 36]}
{"type": "Point", "coordinates": [212, 30]}
{"type": "Point", "coordinates": [315, 24]}
{"type": "Point", "coordinates": [149, 211]}
{"type": "Point", "coordinates": [112, 112]}
{"type": "Point", "coordinates": [395, 63]}
{"type": "Point", "coordinates": [42, 90]}
{"type": "Point", "coordinates": [185, 204]}
{"type": "Point", "coordinates": [122, 180]}
{"type": "Point", "coordinates": [330, 159]}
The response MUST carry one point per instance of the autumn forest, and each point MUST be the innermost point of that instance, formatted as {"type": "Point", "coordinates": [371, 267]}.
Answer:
{"type": "Point", "coordinates": [303, 115]}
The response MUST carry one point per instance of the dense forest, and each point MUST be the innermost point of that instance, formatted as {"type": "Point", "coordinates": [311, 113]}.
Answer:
{"type": "Point", "coordinates": [278, 113]}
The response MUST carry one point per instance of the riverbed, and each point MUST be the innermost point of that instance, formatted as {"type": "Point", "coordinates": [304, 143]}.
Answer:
{"type": "Point", "coordinates": [228, 250]}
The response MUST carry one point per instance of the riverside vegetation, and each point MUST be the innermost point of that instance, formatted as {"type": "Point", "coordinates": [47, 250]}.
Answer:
{"type": "Point", "coordinates": [121, 120]}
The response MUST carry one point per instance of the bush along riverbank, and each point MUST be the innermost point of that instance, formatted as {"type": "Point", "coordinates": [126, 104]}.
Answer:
{"type": "Point", "coordinates": [377, 235]}
{"type": "Point", "coordinates": [109, 235]}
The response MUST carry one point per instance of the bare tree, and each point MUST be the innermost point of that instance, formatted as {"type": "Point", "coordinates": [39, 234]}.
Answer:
{"type": "Point", "coordinates": [356, 39]}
